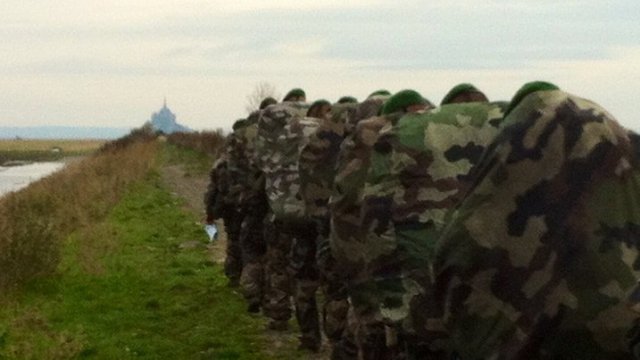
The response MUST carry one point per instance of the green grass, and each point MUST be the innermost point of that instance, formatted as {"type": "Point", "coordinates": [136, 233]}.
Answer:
{"type": "Point", "coordinates": [195, 162]}
{"type": "Point", "coordinates": [125, 289]}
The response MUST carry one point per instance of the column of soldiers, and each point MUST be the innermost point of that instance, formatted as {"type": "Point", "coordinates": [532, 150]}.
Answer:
{"type": "Point", "coordinates": [471, 230]}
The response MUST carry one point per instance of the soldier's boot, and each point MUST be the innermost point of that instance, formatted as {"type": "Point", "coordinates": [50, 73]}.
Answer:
{"type": "Point", "coordinates": [343, 344]}
{"type": "Point", "coordinates": [252, 285]}
{"type": "Point", "coordinates": [372, 343]}
{"type": "Point", "coordinates": [344, 349]}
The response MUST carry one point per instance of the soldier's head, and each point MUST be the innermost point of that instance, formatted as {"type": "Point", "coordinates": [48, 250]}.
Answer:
{"type": "Point", "coordinates": [267, 101]}
{"type": "Point", "coordinates": [347, 100]}
{"type": "Point", "coordinates": [295, 95]}
{"type": "Point", "coordinates": [527, 89]}
{"type": "Point", "coordinates": [320, 109]}
{"type": "Point", "coordinates": [464, 93]}
{"type": "Point", "coordinates": [240, 123]}
{"type": "Point", "coordinates": [407, 101]}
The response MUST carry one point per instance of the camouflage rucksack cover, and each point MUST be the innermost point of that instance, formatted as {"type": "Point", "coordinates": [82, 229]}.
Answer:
{"type": "Point", "coordinates": [420, 167]}
{"type": "Point", "coordinates": [541, 259]}
{"type": "Point", "coordinates": [283, 130]}
{"type": "Point", "coordinates": [317, 163]}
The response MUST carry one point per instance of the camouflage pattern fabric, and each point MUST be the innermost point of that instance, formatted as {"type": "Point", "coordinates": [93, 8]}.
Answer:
{"type": "Point", "coordinates": [420, 168]}
{"type": "Point", "coordinates": [317, 164]}
{"type": "Point", "coordinates": [252, 243]}
{"type": "Point", "coordinates": [346, 235]}
{"type": "Point", "coordinates": [214, 206]}
{"type": "Point", "coordinates": [249, 181]}
{"type": "Point", "coordinates": [233, 262]}
{"type": "Point", "coordinates": [218, 204]}
{"type": "Point", "coordinates": [541, 259]}
{"type": "Point", "coordinates": [283, 132]}
{"type": "Point", "coordinates": [277, 302]}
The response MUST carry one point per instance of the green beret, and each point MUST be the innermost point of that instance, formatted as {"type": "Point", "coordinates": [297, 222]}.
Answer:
{"type": "Point", "coordinates": [457, 90]}
{"type": "Point", "coordinates": [297, 92]}
{"type": "Point", "coordinates": [382, 92]}
{"type": "Point", "coordinates": [267, 101]}
{"type": "Point", "coordinates": [239, 124]}
{"type": "Point", "coordinates": [527, 89]}
{"type": "Point", "coordinates": [315, 106]}
{"type": "Point", "coordinates": [347, 100]}
{"type": "Point", "coordinates": [401, 100]}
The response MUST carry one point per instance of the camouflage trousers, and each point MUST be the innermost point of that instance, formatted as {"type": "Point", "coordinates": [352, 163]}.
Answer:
{"type": "Point", "coordinates": [233, 261]}
{"type": "Point", "coordinates": [376, 341]}
{"type": "Point", "coordinates": [335, 312]}
{"type": "Point", "coordinates": [306, 279]}
{"type": "Point", "coordinates": [253, 253]}
{"type": "Point", "coordinates": [277, 302]}
{"type": "Point", "coordinates": [336, 301]}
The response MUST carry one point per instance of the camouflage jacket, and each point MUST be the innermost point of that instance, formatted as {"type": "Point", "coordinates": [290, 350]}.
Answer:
{"type": "Point", "coordinates": [541, 258]}
{"type": "Point", "coordinates": [237, 164]}
{"type": "Point", "coordinates": [217, 189]}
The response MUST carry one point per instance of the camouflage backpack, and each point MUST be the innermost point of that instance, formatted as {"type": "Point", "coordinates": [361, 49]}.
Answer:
{"type": "Point", "coordinates": [283, 130]}
{"type": "Point", "coordinates": [420, 167]}
{"type": "Point", "coordinates": [318, 158]}
{"type": "Point", "coordinates": [540, 261]}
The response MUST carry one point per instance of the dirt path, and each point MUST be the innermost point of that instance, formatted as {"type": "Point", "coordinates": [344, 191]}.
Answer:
{"type": "Point", "coordinates": [192, 189]}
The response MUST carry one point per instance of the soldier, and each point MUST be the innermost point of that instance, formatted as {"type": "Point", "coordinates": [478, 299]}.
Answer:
{"type": "Point", "coordinates": [283, 131]}
{"type": "Point", "coordinates": [255, 207]}
{"type": "Point", "coordinates": [317, 170]}
{"type": "Point", "coordinates": [420, 167]}
{"type": "Point", "coordinates": [464, 93]}
{"type": "Point", "coordinates": [540, 261]}
{"type": "Point", "coordinates": [346, 237]}
{"type": "Point", "coordinates": [222, 199]}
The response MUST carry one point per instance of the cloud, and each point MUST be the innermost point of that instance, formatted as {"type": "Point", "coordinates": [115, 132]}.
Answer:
{"type": "Point", "coordinates": [133, 53]}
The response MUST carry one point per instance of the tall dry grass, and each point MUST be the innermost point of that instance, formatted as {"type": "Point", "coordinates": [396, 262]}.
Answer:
{"type": "Point", "coordinates": [35, 220]}
{"type": "Point", "coordinates": [208, 142]}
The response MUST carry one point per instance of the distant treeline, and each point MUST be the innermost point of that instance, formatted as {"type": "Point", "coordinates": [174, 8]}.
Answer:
{"type": "Point", "coordinates": [208, 142]}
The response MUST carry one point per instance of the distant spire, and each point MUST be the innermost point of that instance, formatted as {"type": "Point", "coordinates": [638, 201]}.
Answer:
{"type": "Point", "coordinates": [165, 102]}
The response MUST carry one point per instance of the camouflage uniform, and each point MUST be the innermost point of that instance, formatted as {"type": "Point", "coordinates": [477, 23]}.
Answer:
{"type": "Point", "coordinates": [253, 204]}
{"type": "Point", "coordinates": [540, 261]}
{"type": "Point", "coordinates": [346, 235]}
{"type": "Point", "coordinates": [420, 167]}
{"type": "Point", "coordinates": [317, 171]}
{"type": "Point", "coordinates": [220, 202]}
{"type": "Point", "coordinates": [283, 131]}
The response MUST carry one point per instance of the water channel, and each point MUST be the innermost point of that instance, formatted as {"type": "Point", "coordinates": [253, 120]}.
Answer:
{"type": "Point", "coordinates": [13, 178]}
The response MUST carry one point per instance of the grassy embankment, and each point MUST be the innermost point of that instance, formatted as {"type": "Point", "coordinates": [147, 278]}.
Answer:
{"type": "Point", "coordinates": [119, 284]}
{"type": "Point", "coordinates": [46, 150]}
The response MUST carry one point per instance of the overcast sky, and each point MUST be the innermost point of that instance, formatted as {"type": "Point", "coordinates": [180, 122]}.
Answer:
{"type": "Point", "coordinates": [112, 62]}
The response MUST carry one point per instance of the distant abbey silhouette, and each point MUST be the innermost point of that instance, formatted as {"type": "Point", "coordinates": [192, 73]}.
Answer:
{"type": "Point", "coordinates": [165, 121]}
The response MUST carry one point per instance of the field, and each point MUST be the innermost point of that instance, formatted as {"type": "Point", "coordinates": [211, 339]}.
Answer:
{"type": "Point", "coordinates": [46, 150]}
{"type": "Point", "coordinates": [124, 266]}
